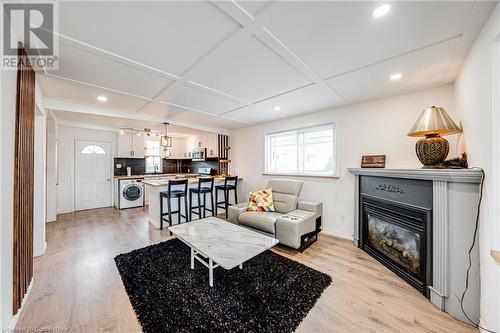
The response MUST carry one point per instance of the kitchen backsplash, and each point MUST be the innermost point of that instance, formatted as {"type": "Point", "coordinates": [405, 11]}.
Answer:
{"type": "Point", "coordinates": [192, 166]}
{"type": "Point", "coordinates": [137, 165]}
{"type": "Point", "coordinates": [169, 166]}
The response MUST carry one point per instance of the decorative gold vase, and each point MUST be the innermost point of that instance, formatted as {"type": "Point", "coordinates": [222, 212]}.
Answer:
{"type": "Point", "coordinates": [432, 150]}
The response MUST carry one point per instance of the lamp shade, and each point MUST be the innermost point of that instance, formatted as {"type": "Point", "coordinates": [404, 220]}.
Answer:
{"type": "Point", "coordinates": [434, 121]}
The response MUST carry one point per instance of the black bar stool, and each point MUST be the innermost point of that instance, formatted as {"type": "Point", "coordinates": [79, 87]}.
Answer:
{"type": "Point", "coordinates": [176, 189]}
{"type": "Point", "coordinates": [230, 183]}
{"type": "Point", "coordinates": [205, 186]}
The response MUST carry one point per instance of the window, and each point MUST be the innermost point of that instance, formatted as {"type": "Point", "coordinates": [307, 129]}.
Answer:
{"type": "Point", "coordinates": [153, 156]}
{"type": "Point", "coordinates": [305, 151]}
{"type": "Point", "coordinates": [93, 150]}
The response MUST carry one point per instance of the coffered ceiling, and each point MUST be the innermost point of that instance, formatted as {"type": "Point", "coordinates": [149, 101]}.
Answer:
{"type": "Point", "coordinates": [107, 123]}
{"type": "Point", "coordinates": [229, 64]}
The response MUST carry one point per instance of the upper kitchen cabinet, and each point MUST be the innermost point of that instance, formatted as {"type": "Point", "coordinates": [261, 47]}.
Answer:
{"type": "Point", "coordinates": [192, 142]}
{"type": "Point", "coordinates": [130, 145]}
{"type": "Point", "coordinates": [207, 140]}
{"type": "Point", "coordinates": [177, 149]}
{"type": "Point", "coordinates": [211, 144]}
{"type": "Point", "coordinates": [182, 147]}
{"type": "Point", "coordinates": [138, 145]}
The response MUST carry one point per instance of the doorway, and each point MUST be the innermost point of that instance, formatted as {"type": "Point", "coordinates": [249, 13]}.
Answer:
{"type": "Point", "coordinates": [92, 174]}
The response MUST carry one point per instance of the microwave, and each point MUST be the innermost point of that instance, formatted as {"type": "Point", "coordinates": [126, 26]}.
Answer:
{"type": "Point", "coordinates": [198, 154]}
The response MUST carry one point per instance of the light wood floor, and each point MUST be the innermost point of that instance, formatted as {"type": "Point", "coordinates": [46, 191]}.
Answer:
{"type": "Point", "coordinates": [77, 286]}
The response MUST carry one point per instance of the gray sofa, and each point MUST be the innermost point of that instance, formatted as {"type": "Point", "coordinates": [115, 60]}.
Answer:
{"type": "Point", "coordinates": [294, 223]}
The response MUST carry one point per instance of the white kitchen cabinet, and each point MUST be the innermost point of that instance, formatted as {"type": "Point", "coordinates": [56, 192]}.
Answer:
{"type": "Point", "coordinates": [130, 145]}
{"type": "Point", "coordinates": [175, 152]}
{"type": "Point", "coordinates": [178, 145]}
{"type": "Point", "coordinates": [166, 152]}
{"type": "Point", "coordinates": [183, 147]}
{"type": "Point", "coordinates": [138, 145]}
{"type": "Point", "coordinates": [125, 145]}
{"type": "Point", "coordinates": [199, 141]}
{"type": "Point", "coordinates": [189, 144]}
{"type": "Point", "coordinates": [208, 140]}
{"type": "Point", "coordinates": [145, 190]}
{"type": "Point", "coordinates": [211, 145]}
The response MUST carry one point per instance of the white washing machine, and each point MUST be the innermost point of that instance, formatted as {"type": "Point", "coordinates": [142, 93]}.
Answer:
{"type": "Point", "coordinates": [131, 193]}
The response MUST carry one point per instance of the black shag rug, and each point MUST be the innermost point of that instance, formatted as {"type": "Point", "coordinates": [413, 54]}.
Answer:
{"type": "Point", "coordinates": [270, 294]}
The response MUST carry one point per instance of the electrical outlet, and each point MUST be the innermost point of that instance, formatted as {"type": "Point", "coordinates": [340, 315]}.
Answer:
{"type": "Point", "coordinates": [342, 218]}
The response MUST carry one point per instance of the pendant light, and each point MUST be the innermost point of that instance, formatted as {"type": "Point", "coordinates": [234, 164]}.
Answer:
{"type": "Point", "coordinates": [166, 141]}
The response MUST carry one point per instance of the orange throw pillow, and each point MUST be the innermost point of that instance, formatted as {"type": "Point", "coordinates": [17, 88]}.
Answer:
{"type": "Point", "coordinates": [261, 201]}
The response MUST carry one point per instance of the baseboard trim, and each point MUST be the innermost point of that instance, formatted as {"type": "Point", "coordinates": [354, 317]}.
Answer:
{"type": "Point", "coordinates": [483, 328]}
{"type": "Point", "coordinates": [339, 234]}
{"type": "Point", "coordinates": [15, 318]}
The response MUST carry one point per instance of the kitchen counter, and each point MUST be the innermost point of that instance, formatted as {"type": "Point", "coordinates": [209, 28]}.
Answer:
{"type": "Point", "coordinates": [164, 181]}
{"type": "Point", "coordinates": [155, 186]}
{"type": "Point", "coordinates": [157, 175]}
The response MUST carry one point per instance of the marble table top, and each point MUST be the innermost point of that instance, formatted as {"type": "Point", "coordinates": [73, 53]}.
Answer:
{"type": "Point", "coordinates": [225, 243]}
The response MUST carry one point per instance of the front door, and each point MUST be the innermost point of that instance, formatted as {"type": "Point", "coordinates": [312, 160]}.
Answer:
{"type": "Point", "coordinates": [92, 174]}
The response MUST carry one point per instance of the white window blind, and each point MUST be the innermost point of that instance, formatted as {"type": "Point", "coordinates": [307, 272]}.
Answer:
{"type": "Point", "coordinates": [153, 156]}
{"type": "Point", "coordinates": [307, 151]}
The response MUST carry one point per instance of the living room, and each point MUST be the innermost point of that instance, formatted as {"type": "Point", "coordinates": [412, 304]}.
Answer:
{"type": "Point", "coordinates": [264, 166]}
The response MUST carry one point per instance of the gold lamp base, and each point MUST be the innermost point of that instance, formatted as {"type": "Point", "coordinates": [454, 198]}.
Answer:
{"type": "Point", "coordinates": [432, 150]}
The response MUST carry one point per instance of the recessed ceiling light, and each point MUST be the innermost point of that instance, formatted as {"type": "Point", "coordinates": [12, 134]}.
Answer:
{"type": "Point", "coordinates": [381, 10]}
{"type": "Point", "coordinates": [396, 76]}
{"type": "Point", "coordinates": [102, 98]}
{"type": "Point", "coordinates": [277, 108]}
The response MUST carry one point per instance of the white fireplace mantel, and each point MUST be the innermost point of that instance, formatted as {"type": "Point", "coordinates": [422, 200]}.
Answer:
{"type": "Point", "coordinates": [446, 175]}
{"type": "Point", "coordinates": [455, 197]}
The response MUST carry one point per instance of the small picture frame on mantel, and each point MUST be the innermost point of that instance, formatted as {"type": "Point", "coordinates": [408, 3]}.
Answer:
{"type": "Point", "coordinates": [373, 161]}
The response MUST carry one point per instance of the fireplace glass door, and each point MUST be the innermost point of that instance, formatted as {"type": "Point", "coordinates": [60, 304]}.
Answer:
{"type": "Point", "coordinates": [398, 235]}
{"type": "Point", "coordinates": [399, 244]}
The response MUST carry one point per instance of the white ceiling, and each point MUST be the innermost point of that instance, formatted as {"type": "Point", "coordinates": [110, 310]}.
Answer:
{"type": "Point", "coordinates": [228, 64]}
{"type": "Point", "coordinates": [114, 124]}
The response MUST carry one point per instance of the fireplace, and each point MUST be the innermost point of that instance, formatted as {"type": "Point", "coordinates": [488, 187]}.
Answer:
{"type": "Point", "coordinates": [436, 209]}
{"type": "Point", "coordinates": [396, 226]}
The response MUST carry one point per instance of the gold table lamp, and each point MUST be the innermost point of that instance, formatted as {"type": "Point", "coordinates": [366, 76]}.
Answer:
{"type": "Point", "coordinates": [431, 124]}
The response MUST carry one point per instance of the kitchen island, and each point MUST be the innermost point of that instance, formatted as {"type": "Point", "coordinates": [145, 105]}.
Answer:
{"type": "Point", "coordinates": [154, 187]}
{"type": "Point", "coordinates": [154, 176]}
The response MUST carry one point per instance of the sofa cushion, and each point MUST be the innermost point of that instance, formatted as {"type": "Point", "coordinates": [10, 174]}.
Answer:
{"type": "Point", "coordinates": [288, 186]}
{"type": "Point", "coordinates": [259, 220]}
{"type": "Point", "coordinates": [284, 203]}
{"type": "Point", "coordinates": [261, 201]}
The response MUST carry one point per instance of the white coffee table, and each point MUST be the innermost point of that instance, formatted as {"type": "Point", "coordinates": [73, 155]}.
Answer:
{"type": "Point", "coordinates": [222, 243]}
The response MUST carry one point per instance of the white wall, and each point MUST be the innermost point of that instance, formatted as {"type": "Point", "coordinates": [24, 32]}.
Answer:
{"type": "Point", "coordinates": [51, 192]}
{"type": "Point", "coordinates": [7, 140]}
{"type": "Point", "coordinates": [7, 134]}
{"type": "Point", "coordinates": [7, 144]}
{"type": "Point", "coordinates": [39, 188]}
{"type": "Point", "coordinates": [2, 97]}
{"type": "Point", "coordinates": [65, 160]}
{"type": "Point", "coordinates": [475, 90]}
{"type": "Point", "coordinates": [376, 127]}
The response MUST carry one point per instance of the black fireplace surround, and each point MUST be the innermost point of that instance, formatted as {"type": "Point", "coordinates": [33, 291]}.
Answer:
{"type": "Point", "coordinates": [395, 226]}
